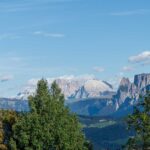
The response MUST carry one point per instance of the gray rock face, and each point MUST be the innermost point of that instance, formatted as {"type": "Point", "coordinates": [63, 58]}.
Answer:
{"type": "Point", "coordinates": [81, 93]}
{"type": "Point", "coordinates": [123, 90]}
{"type": "Point", "coordinates": [120, 104]}
{"type": "Point", "coordinates": [93, 89]}
{"type": "Point", "coordinates": [128, 90]}
{"type": "Point", "coordinates": [73, 88]}
{"type": "Point", "coordinates": [142, 80]}
{"type": "Point", "coordinates": [69, 86]}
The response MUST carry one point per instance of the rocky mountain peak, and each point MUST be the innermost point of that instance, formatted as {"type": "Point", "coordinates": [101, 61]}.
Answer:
{"type": "Point", "coordinates": [128, 90]}
{"type": "Point", "coordinates": [125, 82]}
{"type": "Point", "coordinates": [93, 88]}
{"type": "Point", "coordinates": [123, 90]}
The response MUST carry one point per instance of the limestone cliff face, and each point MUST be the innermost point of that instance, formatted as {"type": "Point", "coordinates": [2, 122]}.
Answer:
{"type": "Point", "coordinates": [128, 90]}
{"type": "Point", "coordinates": [141, 82]}
{"type": "Point", "coordinates": [93, 89]}
{"type": "Point", "coordinates": [74, 88]}
{"type": "Point", "coordinates": [123, 90]}
{"type": "Point", "coordinates": [81, 93]}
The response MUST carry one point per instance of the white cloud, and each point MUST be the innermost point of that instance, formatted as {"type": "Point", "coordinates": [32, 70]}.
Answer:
{"type": "Point", "coordinates": [98, 69]}
{"type": "Point", "coordinates": [131, 12]}
{"type": "Point", "coordinates": [5, 78]}
{"type": "Point", "coordinates": [146, 63]}
{"type": "Point", "coordinates": [46, 34]}
{"type": "Point", "coordinates": [127, 68]}
{"type": "Point", "coordinates": [140, 58]}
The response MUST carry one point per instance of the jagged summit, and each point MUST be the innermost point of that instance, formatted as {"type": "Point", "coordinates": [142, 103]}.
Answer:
{"type": "Point", "coordinates": [128, 90]}
{"type": "Point", "coordinates": [90, 96]}
{"type": "Point", "coordinates": [119, 104]}
{"type": "Point", "coordinates": [124, 81]}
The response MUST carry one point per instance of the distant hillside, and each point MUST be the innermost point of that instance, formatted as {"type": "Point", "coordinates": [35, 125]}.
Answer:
{"type": "Point", "coordinates": [14, 104]}
{"type": "Point", "coordinates": [105, 133]}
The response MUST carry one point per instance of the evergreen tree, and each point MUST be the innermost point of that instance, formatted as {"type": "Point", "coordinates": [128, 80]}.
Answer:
{"type": "Point", "coordinates": [139, 121]}
{"type": "Point", "coordinates": [49, 125]}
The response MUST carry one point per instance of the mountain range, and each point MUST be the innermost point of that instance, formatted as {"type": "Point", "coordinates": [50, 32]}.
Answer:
{"type": "Point", "coordinates": [73, 88]}
{"type": "Point", "coordinates": [90, 96]}
{"type": "Point", "coordinates": [120, 103]}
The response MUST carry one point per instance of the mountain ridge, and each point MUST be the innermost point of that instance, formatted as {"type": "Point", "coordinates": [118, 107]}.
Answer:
{"type": "Point", "coordinates": [122, 102]}
{"type": "Point", "coordinates": [109, 103]}
{"type": "Point", "coordinates": [73, 88]}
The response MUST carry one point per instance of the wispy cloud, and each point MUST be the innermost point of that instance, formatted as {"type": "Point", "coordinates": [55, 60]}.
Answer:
{"type": "Point", "coordinates": [16, 59]}
{"type": "Point", "coordinates": [47, 34]}
{"type": "Point", "coordinates": [5, 78]}
{"type": "Point", "coordinates": [127, 68]}
{"type": "Point", "coordinates": [98, 69]}
{"type": "Point", "coordinates": [146, 63]}
{"type": "Point", "coordinates": [131, 12]}
{"type": "Point", "coordinates": [8, 36]}
{"type": "Point", "coordinates": [140, 58]}
{"type": "Point", "coordinates": [11, 7]}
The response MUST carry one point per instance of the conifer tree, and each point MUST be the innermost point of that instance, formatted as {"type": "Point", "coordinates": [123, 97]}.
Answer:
{"type": "Point", "coordinates": [49, 125]}
{"type": "Point", "coordinates": [139, 121]}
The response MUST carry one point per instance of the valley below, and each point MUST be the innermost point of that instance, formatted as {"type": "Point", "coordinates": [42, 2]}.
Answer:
{"type": "Point", "coordinates": [105, 132]}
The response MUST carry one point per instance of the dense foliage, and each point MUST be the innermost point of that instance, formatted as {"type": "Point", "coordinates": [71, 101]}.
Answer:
{"type": "Point", "coordinates": [7, 119]}
{"type": "Point", "coordinates": [48, 125]}
{"type": "Point", "coordinates": [140, 122]}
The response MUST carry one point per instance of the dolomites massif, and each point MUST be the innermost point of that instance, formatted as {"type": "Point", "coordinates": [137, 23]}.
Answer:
{"type": "Point", "coordinates": [72, 87]}
{"type": "Point", "coordinates": [90, 96]}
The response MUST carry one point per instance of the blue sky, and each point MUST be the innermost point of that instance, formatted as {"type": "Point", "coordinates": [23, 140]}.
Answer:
{"type": "Point", "coordinates": [48, 38]}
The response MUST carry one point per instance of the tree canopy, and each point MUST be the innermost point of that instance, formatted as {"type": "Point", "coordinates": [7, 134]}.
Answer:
{"type": "Point", "coordinates": [7, 119]}
{"type": "Point", "coordinates": [49, 125]}
{"type": "Point", "coordinates": [139, 121]}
